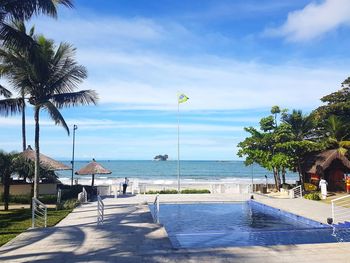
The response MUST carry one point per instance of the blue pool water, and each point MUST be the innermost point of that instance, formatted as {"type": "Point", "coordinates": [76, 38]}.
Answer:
{"type": "Point", "coordinates": [240, 224]}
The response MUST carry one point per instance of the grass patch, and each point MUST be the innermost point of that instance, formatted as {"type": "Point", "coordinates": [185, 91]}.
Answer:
{"type": "Point", "coordinates": [14, 222]}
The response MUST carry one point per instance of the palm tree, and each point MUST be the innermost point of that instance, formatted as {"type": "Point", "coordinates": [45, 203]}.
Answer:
{"type": "Point", "coordinates": [10, 106]}
{"type": "Point", "coordinates": [337, 134]}
{"type": "Point", "coordinates": [301, 126]}
{"type": "Point", "coordinates": [19, 10]}
{"type": "Point", "coordinates": [301, 129]}
{"type": "Point", "coordinates": [48, 84]}
{"type": "Point", "coordinates": [7, 168]}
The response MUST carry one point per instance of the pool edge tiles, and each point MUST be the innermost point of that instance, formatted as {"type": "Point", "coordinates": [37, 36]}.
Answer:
{"type": "Point", "coordinates": [269, 209]}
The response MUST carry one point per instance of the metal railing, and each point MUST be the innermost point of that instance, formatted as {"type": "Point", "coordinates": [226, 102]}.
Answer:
{"type": "Point", "coordinates": [39, 214]}
{"type": "Point", "coordinates": [341, 209]}
{"type": "Point", "coordinates": [296, 192]}
{"type": "Point", "coordinates": [100, 210]}
{"type": "Point", "coordinates": [156, 209]}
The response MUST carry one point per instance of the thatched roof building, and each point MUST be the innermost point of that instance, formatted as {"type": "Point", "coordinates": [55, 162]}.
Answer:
{"type": "Point", "coordinates": [330, 164]}
{"type": "Point", "coordinates": [45, 161]}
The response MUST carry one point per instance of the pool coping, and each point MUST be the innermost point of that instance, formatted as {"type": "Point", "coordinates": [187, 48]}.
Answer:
{"type": "Point", "coordinates": [289, 215]}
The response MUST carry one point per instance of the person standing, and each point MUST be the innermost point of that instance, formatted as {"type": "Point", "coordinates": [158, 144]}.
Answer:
{"type": "Point", "coordinates": [125, 185]}
{"type": "Point", "coordinates": [323, 185]}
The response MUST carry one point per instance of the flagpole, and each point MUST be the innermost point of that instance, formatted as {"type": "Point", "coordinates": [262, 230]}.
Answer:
{"type": "Point", "coordinates": [178, 146]}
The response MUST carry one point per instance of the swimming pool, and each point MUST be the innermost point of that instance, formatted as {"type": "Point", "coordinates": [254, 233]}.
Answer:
{"type": "Point", "coordinates": [239, 224]}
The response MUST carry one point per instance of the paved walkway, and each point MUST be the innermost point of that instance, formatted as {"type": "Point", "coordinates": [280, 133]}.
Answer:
{"type": "Point", "coordinates": [129, 235]}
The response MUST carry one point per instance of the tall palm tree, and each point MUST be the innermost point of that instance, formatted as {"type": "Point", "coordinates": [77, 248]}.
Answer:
{"type": "Point", "coordinates": [48, 84]}
{"type": "Point", "coordinates": [10, 106]}
{"type": "Point", "coordinates": [20, 10]}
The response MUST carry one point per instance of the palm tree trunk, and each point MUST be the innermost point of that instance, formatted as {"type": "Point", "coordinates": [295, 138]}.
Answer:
{"type": "Point", "coordinates": [301, 175]}
{"type": "Point", "coordinates": [283, 175]}
{"type": "Point", "coordinates": [275, 175]}
{"type": "Point", "coordinates": [37, 152]}
{"type": "Point", "coordinates": [24, 141]}
{"type": "Point", "coordinates": [6, 191]}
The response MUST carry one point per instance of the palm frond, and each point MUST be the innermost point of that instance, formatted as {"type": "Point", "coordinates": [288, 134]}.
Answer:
{"type": "Point", "coordinates": [24, 10]}
{"type": "Point", "coordinates": [11, 106]}
{"type": "Point", "coordinates": [72, 99]}
{"type": "Point", "coordinates": [5, 92]}
{"type": "Point", "coordinates": [14, 38]}
{"type": "Point", "coordinates": [66, 77]}
{"type": "Point", "coordinates": [55, 115]}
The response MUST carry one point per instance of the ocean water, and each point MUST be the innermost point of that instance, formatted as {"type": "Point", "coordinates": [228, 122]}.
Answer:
{"type": "Point", "coordinates": [190, 171]}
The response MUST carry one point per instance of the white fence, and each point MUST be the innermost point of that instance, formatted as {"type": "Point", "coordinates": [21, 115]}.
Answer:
{"type": "Point", "coordinates": [100, 211]}
{"type": "Point", "coordinates": [341, 209]}
{"type": "Point", "coordinates": [39, 214]}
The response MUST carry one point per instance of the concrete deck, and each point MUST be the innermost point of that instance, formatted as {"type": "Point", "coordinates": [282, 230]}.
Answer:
{"type": "Point", "coordinates": [129, 235]}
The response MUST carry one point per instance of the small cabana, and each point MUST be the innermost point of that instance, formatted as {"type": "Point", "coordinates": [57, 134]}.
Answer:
{"type": "Point", "coordinates": [91, 169]}
{"type": "Point", "coordinates": [331, 165]}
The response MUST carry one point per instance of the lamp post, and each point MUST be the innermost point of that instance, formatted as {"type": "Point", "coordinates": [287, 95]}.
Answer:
{"type": "Point", "coordinates": [75, 127]}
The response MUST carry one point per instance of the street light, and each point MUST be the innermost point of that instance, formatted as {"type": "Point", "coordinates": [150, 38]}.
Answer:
{"type": "Point", "coordinates": [75, 127]}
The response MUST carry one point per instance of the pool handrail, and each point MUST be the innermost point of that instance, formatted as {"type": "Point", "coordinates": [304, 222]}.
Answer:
{"type": "Point", "coordinates": [339, 212]}
{"type": "Point", "coordinates": [156, 209]}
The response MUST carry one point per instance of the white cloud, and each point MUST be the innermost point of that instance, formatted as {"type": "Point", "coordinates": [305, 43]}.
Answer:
{"type": "Point", "coordinates": [98, 124]}
{"type": "Point", "coordinates": [152, 81]}
{"type": "Point", "coordinates": [314, 20]}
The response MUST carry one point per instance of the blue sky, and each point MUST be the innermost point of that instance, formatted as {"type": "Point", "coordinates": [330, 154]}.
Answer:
{"type": "Point", "coordinates": [234, 59]}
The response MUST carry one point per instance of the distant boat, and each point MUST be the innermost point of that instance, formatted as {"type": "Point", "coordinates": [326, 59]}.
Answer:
{"type": "Point", "coordinates": [161, 157]}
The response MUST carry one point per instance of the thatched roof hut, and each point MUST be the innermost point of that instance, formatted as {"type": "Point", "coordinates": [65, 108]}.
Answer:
{"type": "Point", "coordinates": [324, 160]}
{"type": "Point", "coordinates": [329, 164]}
{"type": "Point", "coordinates": [45, 161]}
{"type": "Point", "coordinates": [93, 168]}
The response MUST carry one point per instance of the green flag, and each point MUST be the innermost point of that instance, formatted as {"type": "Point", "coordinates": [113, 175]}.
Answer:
{"type": "Point", "coordinates": [182, 98]}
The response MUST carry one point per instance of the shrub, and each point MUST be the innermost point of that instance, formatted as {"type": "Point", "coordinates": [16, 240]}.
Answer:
{"type": "Point", "coordinates": [169, 191]}
{"type": "Point", "coordinates": [48, 199]}
{"type": "Point", "coordinates": [17, 199]}
{"type": "Point", "coordinates": [310, 187]}
{"type": "Point", "coordinates": [195, 191]}
{"type": "Point", "coordinates": [68, 204]}
{"type": "Point", "coordinates": [313, 196]}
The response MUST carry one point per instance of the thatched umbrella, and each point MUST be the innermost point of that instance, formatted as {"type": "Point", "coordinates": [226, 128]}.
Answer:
{"type": "Point", "coordinates": [45, 161]}
{"type": "Point", "coordinates": [91, 169]}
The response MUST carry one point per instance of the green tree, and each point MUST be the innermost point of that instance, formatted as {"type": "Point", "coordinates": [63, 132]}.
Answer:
{"type": "Point", "coordinates": [49, 83]}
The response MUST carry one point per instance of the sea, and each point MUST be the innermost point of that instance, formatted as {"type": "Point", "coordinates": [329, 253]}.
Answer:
{"type": "Point", "coordinates": [166, 172]}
